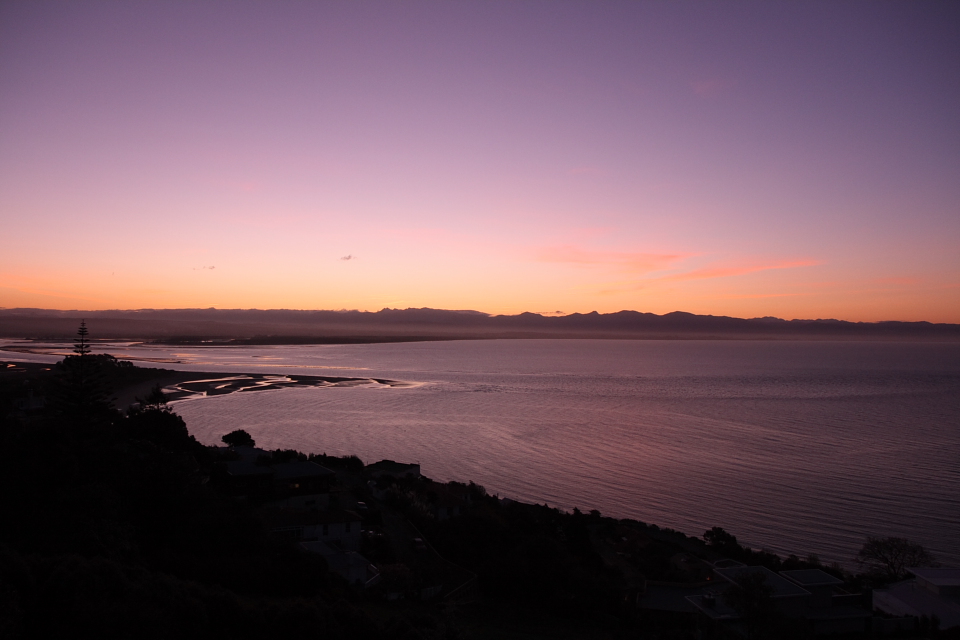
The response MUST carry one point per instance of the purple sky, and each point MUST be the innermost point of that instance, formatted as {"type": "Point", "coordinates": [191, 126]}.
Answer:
{"type": "Point", "coordinates": [790, 159]}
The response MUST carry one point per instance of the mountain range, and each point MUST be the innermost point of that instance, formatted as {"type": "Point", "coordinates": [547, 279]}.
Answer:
{"type": "Point", "coordinates": [285, 326]}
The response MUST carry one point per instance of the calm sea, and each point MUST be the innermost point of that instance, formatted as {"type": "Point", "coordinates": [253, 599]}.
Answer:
{"type": "Point", "coordinates": [797, 447]}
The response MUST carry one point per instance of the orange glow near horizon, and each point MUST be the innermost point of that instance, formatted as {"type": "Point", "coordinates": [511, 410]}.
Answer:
{"type": "Point", "coordinates": [790, 290]}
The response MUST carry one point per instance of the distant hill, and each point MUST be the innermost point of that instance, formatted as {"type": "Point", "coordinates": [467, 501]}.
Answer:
{"type": "Point", "coordinates": [279, 326]}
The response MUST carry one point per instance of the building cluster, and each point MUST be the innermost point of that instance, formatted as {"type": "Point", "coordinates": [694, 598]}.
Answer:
{"type": "Point", "coordinates": [300, 502]}
{"type": "Point", "coordinates": [326, 513]}
{"type": "Point", "coordinates": [810, 598]}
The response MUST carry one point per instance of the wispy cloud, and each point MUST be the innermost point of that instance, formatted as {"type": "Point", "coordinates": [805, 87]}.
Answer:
{"type": "Point", "coordinates": [740, 270]}
{"type": "Point", "coordinates": [751, 296]}
{"type": "Point", "coordinates": [703, 273]}
{"type": "Point", "coordinates": [899, 281]}
{"type": "Point", "coordinates": [621, 260]}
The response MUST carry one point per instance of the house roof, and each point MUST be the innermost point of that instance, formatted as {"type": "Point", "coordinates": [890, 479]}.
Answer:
{"type": "Point", "coordinates": [713, 606]}
{"type": "Point", "coordinates": [941, 577]}
{"type": "Point", "coordinates": [811, 578]}
{"type": "Point", "coordinates": [910, 599]}
{"type": "Point", "coordinates": [727, 563]}
{"type": "Point", "coordinates": [300, 469]}
{"type": "Point", "coordinates": [247, 453]}
{"type": "Point", "coordinates": [782, 588]}
{"type": "Point", "coordinates": [247, 468]}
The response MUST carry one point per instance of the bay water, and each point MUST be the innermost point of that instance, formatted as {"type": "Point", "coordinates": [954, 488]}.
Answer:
{"type": "Point", "coordinates": [797, 447]}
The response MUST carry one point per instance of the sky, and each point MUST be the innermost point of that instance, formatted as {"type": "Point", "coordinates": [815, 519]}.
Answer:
{"type": "Point", "coordinates": [789, 159]}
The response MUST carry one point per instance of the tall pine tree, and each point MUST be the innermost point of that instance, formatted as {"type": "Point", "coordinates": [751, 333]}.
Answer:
{"type": "Point", "coordinates": [82, 390]}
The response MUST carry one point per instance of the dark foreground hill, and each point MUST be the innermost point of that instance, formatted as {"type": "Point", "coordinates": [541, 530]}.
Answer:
{"type": "Point", "coordinates": [122, 525]}
{"type": "Point", "coordinates": [253, 326]}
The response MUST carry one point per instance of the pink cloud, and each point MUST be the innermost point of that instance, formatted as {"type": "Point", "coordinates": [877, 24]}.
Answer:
{"type": "Point", "coordinates": [728, 271]}
{"type": "Point", "coordinates": [763, 295]}
{"type": "Point", "coordinates": [625, 261]}
{"type": "Point", "coordinates": [901, 281]}
{"type": "Point", "coordinates": [611, 288]}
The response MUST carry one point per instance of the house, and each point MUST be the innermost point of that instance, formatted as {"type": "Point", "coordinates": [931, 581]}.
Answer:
{"type": "Point", "coordinates": [246, 478]}
{"type": "Point", "coordinates": [445, 501]}
{"type": "Point", "coordinates": [30, 402]}
{"type": "Point", "coordinates": [829, 608]}
{"type": "Point", "coordinates": [810, 596]}
{"type": "Point", "coordinates": [297, 483]}
{"type": "Point", "coordinates": [931, 592]}
{"type": "Point", "coordinates": [351, 565]}
{"type": "Point", "coordinates": [336, 527]}
{"type": "Point", "coordinates": [790, 599]}
{"type": "Point", "coordinates": [301, 484]}
{"type": "Point", "coordinates": [245, 453]}
{"type": "Point", "coordinates": [819, 583]}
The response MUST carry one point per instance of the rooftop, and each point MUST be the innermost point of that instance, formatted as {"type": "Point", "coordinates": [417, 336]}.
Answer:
{"type": "Point", "coordinates": [782, 588]}
{"type": "Point", "coordinates": [941, 577]}
{"type": "Point", "coordinates": [910, 599]}
{"type": "Point", "coordinates": [713, 606]}
{"type": "Point", "coordinates": [247, 468]}
{"type": "Point", "coordinates": [300, 469]}
{"type": "Point", "coordinates": [811, 578]}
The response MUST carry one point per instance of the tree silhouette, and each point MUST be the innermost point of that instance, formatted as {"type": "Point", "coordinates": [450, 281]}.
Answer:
{"type": "Point", "coordinates": [81, 391]}
{"type": "Point", "coordinates": [238, 438]}
{"type": "Point", "coordinates": [80, 345]}
{"type": "Point", "coordinates": [722, 541]}
{"type": "Point", "coordinates": [156, 400]}
{"type": "Point", "coordinates": [888, 558]}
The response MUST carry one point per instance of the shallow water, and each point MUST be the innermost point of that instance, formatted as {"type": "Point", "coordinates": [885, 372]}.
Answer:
{"type": "Point", "coordinates": [798, 447]}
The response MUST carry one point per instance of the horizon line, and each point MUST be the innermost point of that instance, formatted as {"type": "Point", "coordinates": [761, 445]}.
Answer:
{"type": "Point", "coordinates": [542, 314]}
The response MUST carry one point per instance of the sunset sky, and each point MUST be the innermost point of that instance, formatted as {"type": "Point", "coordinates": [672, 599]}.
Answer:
{"type": "Point", "coordinates": [790, 159]}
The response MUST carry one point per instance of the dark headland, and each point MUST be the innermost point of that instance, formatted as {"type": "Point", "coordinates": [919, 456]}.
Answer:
{"type": "Point", "coordinates": [284, 326]}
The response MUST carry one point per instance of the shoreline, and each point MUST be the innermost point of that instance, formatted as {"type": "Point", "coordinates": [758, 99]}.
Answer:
{"type": "Point", "coordinates": [179, 386]}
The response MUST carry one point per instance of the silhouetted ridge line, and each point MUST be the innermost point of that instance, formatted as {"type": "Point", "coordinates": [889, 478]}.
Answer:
{"type": "Point", "coordinates": [277, 326]}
